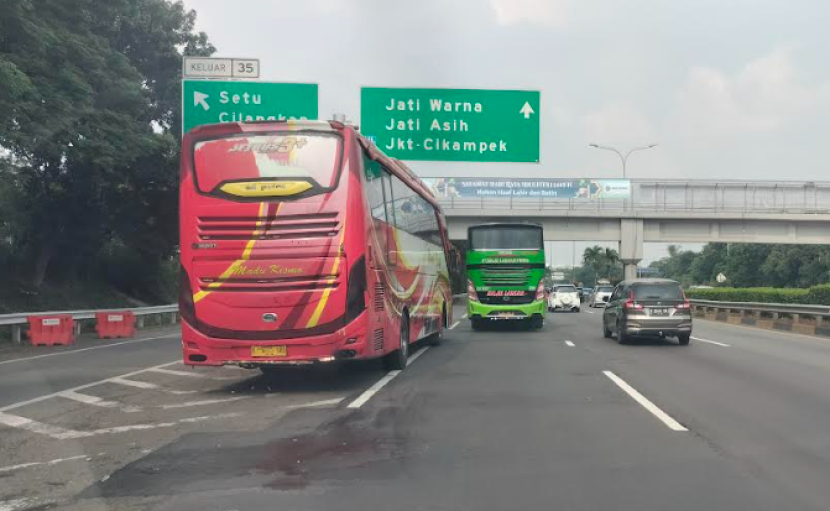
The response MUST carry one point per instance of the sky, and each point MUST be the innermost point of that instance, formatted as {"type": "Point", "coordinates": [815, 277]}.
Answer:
{"type": "Point", "coordinates": [736, 89]}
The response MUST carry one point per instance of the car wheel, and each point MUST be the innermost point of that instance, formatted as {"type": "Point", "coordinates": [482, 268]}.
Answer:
{"type": "Point", "coordinates": [575, 310]}
{"type": "Point", "coordinates": [396, 361]}
{"type": "Point", "coordinates": [684, 339]}
{"type": "Point", "coordinates": [605, 331]}
{"type": "Point", "coordinates": [622, 337]}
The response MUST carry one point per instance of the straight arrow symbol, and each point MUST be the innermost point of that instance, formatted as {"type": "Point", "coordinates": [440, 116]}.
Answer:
{"type": "Point", "coordinates": [199, 99]}
{"type": "Point", "coordinates": [526, 110]}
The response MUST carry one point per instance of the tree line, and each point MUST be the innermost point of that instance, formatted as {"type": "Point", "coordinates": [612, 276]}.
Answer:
{"type": "Point", "coordinates": [89, 140]}
{"type": "Point", "coordinates": [748, 265]}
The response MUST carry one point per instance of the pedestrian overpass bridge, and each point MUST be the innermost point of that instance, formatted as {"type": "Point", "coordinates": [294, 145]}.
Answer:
{"type": "Point", "coordinates": [665, 212]}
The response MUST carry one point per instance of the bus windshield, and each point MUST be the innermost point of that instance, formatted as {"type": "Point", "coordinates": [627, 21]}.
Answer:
{"type": "Point", "coordinates": [506, 238]}
{"type": "Point", "coordinates": [266, 165]}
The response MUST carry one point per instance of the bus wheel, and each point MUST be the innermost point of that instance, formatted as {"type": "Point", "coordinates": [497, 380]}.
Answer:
{"type": "Point", "coordinates": [396, 361]}
{"type": "Point", "coordinates": [477, 324]}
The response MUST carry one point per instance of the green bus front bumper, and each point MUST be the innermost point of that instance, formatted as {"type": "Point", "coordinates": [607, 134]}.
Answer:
{"type": "Point", "coordinates": [528, 310]}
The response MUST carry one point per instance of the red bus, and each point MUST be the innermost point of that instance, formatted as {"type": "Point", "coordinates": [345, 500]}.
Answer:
{"type": "Point", "coordinates": [302, 243]}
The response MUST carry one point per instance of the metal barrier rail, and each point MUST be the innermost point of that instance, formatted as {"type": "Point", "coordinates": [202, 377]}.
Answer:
{"type": "Point", "coordinates": [19, 319]}
{"type": "Point", "coordinates": [775, 316]}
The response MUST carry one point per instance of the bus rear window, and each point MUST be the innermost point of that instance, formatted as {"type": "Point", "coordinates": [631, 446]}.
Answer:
{"type": "Point", "coordinates": [280, 164]}
{"type": "Point", "coordinates": [506, 238]}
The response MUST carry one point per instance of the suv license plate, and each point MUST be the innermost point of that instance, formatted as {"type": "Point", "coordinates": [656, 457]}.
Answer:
{"type": "Point", "coordinates": [660, 312]}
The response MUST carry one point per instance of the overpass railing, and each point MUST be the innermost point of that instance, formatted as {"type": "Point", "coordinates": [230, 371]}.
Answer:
{"type": "Point", "coordinates": [677, 196]}
{"type": "Point", "coordinates": [19, 320]}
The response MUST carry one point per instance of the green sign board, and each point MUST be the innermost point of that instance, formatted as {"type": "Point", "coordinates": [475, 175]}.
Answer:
{"type": "Point", "coordinates": [452, 124]}
{"type": "Point", "coordinates": [212, 101]}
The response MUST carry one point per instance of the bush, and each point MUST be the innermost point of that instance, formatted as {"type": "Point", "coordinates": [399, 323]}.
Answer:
{"type": "Point", "coordinates": [817, 295]}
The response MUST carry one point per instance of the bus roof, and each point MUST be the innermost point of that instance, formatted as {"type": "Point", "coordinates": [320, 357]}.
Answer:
{"type": "Point", "coordinates": [506, 224]}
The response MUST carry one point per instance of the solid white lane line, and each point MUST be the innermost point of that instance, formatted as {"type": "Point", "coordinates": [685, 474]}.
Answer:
{"type": "Point", "coordinates": [15, 504]}
{"type": "Point", "coordinates": [569, 343]}
{"type": "Point", "coordinates": [454, 325]}
{"type": "Point", "coordinates": [589, 312]}
{"type": "Point", "coordinates": [70, 352]}
{"type": "Point", "coordinates": [374, 389]}
{"type": "Point", "coordinates": [191, 374]}
{"type": "Point", "coordinates": [188, 404]}
{"type": "Point", "coordinates": [648, 405]}
{"type": "Point", "coordinates": [371, 391]}
{"type": "Point", "coordinates": [97, 401]}
{"type": "Point", "coordinates": [464, 316]}
{"type": "Point", "coordinates": [316, 404]}
{"type": "Point", "coordinates": [12, 468]}
{"type": "Point", "coordinates": [716, 343]}
{"type": "Point", "coordinates": [79, 387]}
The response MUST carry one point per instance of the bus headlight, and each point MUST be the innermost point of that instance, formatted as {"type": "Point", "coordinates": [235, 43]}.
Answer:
{"type": "Point", "coordinates": [471, 291]}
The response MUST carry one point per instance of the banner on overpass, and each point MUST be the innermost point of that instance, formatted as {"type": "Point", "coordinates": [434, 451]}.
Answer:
{"type": "Point", "coordinates": [533, 188]}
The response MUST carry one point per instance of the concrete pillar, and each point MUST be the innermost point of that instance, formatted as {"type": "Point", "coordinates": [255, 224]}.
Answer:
{"type": "Point", "coordinates": [16, 331]}
{"type": "Point", "coordinates": [77, 328]}
{"type": "Point", "coordinates": [139, 322]}
{"type": "Point", "coordinates": [631, 246]}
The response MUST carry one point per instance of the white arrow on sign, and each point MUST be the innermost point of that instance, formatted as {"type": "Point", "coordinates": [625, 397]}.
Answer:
{"type": "Point", "coordinates": [199, 99]}
{"type": "Point", "coordinates": [527, 110]}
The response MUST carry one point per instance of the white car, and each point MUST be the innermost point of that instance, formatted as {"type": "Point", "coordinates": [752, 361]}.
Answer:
{"type": "Point", "coordinates": [601, 296]}
{"type": "Point", "coordinates": [564, 297]}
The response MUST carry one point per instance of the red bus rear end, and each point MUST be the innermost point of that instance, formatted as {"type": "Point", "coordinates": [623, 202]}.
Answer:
{"type": "Point", "coordinates": [302, 243]}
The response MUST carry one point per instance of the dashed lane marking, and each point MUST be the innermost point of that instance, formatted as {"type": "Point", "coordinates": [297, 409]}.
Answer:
{"type": "Point", "coordinates": [569, 343]}
{"type": "Point", "coordinates": [147, 386]}
{"type": "Point", "coordinates": [645, 403]}
{"type": "Point", "coordinates": [455, 325]}
{"type": "Point", "coordinates": [464, 316]}
{"type": "Point", "coordinates": [716, 343]}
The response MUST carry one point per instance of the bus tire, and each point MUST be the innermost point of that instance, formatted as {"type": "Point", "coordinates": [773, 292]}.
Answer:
{"type": "Point", "coordinates": [396, 361]}
{"type": "Point", "coordinates": [477, 324]}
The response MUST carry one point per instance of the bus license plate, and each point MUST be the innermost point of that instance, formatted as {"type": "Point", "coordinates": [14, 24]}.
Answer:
{"type": "Point", "coordinates": [269, 351]}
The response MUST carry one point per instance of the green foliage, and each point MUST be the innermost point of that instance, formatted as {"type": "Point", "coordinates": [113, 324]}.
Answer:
{"type": "Point", "coordinates": [602, 263]}
{"type": "Point", "coordinates": [90, 100]}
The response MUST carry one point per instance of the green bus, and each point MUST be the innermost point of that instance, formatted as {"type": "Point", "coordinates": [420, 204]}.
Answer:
{"type": "Point", "coordinates": [506, 274]}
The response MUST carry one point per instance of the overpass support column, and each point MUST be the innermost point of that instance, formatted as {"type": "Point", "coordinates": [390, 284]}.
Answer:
{"type": "Point", "coordinates": [631, 245]}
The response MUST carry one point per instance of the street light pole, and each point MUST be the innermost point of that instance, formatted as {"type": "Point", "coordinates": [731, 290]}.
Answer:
{"type": "Point", "coordinates": [623, 158]}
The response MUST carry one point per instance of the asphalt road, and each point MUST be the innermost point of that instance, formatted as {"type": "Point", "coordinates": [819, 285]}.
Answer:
{"type": "Point", "coordinates": [503, 419]}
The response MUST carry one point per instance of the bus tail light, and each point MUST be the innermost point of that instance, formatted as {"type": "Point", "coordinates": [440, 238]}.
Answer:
{"type": "Point", "coordinates": [471, 291]}
{"type": "Point", "coordinates": [540, 290]}
{"type": "Point", "coordinates": [187, 307]}
{"type": "Point", "coordinates": [356, 290]}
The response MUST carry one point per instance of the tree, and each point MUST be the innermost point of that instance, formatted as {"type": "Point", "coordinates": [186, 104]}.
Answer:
{"type": "Point", "coordinates": [89, 98]}
{"type": "Point", "coordinates": [604, 262]}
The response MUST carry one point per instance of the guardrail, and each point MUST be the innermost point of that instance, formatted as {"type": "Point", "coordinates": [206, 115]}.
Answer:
{"type": "Point", "coordinates": [805, 319]}
{"type": "Point", "coordinates": [20, 319]}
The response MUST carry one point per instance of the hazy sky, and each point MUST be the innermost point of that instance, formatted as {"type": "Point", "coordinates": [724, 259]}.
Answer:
{"type": "Point", "coordinates": [736, 89]}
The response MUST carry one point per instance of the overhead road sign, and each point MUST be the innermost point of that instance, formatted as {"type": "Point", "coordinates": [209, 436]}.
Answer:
{"type": "Point", "coordinates": [452, 124]}
{"type": "Point", "coordinates": [209, 67]}
{"type": "Point", "coordinates": [214, 101]}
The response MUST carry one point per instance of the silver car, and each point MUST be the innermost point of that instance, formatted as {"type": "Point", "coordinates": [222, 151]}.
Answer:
{"type": "Point", "coordinates": [652, 307]}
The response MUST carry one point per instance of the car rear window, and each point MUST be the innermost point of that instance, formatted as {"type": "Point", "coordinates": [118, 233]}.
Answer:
{"type": "Point", "coordinates": [565, 289]}
{"type": "Point", "coordinates": [657, 292]}
{"type": "Point", "coordinates": [605, 289]}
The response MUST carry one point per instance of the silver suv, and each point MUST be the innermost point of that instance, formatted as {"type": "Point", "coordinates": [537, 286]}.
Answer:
{"type": "Point", "coordinates": [655, 307]}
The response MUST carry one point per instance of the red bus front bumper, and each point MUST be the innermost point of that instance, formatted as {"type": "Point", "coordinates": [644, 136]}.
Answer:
{"type": "Point", "coordinates": [350, 342]}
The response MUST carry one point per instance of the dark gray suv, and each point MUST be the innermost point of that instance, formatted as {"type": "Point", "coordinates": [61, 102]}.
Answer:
{"type": "Point", "coordinates": [652, 307]}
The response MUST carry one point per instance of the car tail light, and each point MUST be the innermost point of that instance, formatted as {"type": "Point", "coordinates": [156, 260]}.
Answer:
{"type": "Point", "coordinates": [684, 306]}
{"type": "Point", "coordinates": [471, 291]}
{"type": "Point", "coordinates": [631, 303]}
{"type": "Point", "coordinates": [540, 291]}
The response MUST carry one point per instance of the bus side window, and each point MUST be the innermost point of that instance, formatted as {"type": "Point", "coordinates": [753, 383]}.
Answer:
{"type": "Point", "coordinates": [389, 200]}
